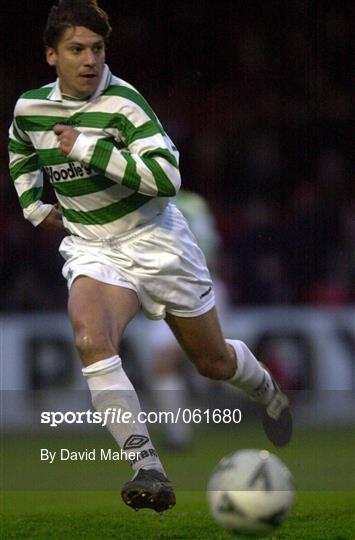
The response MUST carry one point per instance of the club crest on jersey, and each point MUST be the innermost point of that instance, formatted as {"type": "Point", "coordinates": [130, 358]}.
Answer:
{"type": "Point", "coordinates": [69, 171]}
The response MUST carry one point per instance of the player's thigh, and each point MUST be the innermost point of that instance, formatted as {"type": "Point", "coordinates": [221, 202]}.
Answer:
{"type": "Point", "coordinates": [200, 337]}
{"type": "Point", "coordinates": [100, 310]}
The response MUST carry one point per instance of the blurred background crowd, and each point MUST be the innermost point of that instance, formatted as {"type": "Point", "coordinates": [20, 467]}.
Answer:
{"type": "Point", "coordinates": [257, 98]}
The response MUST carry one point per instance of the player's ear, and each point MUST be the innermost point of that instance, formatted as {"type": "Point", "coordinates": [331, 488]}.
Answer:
{"type": "Point", "coordinates": [51, 56]}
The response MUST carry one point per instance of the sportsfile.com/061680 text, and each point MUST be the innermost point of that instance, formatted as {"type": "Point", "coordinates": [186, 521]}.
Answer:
{"type": "Point", "coordinates": [113, 415]}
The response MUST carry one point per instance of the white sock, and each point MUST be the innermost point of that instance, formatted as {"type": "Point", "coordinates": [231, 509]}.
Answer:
{"type": "Point", "coordinates": [111, 389]}
{"type": "Point", "coordinates": [170, 394]}
{"type": "Point", "coordinates": [250, 376]}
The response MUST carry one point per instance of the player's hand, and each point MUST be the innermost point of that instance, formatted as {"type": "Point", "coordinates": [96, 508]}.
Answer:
{"type": "Point", "coordinates": [66, 137]}
{"type": "Point", "coordinates": [53, 222]}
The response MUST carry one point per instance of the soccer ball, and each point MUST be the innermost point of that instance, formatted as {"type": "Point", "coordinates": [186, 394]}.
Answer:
{"type": "Point", "coordinates": [250, 492]}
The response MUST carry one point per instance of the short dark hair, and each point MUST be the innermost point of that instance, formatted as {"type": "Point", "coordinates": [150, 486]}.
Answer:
{"type": "Point", "coordinates": [69, 13]}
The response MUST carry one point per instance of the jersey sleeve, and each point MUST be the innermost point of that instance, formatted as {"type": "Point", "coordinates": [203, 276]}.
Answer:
{"type": "Point", "coordinates": [148, 163]}
{"type": "Point", "coordinates": [26, 173]}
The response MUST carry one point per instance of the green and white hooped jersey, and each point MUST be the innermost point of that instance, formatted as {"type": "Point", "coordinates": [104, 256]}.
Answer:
{"type": "Point", "coordinates": [122, 168]}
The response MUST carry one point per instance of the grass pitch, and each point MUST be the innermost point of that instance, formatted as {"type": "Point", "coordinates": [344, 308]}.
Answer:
{"type": "Point", "coordinates": [40, 502]}
{"type": "Point", "coordinates": [101, 515]}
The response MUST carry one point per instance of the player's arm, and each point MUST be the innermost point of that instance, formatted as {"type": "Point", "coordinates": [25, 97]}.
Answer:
{"type": "Point", "coordinates": [54, 220]}
{"type": "Point", "coordinates": [148, 164]}
{"type": "Point", "coordinates": [27, 176]}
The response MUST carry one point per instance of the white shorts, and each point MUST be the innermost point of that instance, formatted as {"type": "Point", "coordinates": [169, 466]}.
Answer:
{"type": "Point", "coordinates": [159, 334]}
{"type": "Point", "coordinates": [160, 261]}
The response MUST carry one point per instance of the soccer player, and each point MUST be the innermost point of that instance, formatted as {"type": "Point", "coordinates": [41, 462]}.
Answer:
{"type": "Point", "coordinates": [113, 169]}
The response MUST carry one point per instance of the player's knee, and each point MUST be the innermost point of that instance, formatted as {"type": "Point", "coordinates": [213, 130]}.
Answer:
{"type": "Point", "coordinates": [93, 344]}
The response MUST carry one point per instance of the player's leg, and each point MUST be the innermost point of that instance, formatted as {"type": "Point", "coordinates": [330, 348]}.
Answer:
{"type": "Point", "coordinates": [231, 360]}
{"type": "Point", "coordinates": [169, 385]}
{"type": "Point", "coordinates": [99, 313]}
{"type": "Point", "coordinates": [202, 340]}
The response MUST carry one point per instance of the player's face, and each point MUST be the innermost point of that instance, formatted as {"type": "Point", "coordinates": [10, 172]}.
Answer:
{"type": "Point", "coordinates": [79, 60]}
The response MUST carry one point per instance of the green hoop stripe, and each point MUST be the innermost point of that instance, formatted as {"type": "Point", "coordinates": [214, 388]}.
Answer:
{"type": "Point", "coordinates": [149, 129]}
{"type": "Point", "coordinates": [39, 122]}
{"type": "Point", "coordinates": [38, 93]}
{"type": "Point", "coordinates": [97, 120]}
{"type": "Point", "coordinates": [26, 165]}
{"type": "Point", "coordinates": [164, 153]}
{"type": "Point", "coordinates": [164, 185]}
{"type": "Point", "coordinates": [83, 186]}
{"type": "Point", "coordinates": [19, 147]}
{"type": "Point", "coordinates": [108, 213]}
{"type": "Point", "coordinates": [132, 95]}
{"type": "Point", "coordinates": [131, 178]}
{"type": "Point", "coordinates": [18, 135]}
{"type": "Point", "coordinates": [51, 156]}
{"type": "Point", "coordinates": [30, 196]}
{"type": "Point", "coordinates": [118, 121]}
{"type": "Point", "coordinates": [102, 154]}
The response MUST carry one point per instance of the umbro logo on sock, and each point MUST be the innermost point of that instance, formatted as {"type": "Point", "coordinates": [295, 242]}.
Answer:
{"type": "Point", "coordinates": [135, 441]}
